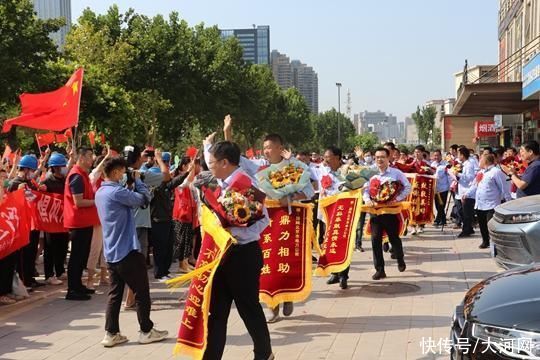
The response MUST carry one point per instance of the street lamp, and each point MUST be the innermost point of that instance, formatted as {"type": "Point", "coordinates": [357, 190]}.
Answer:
{"type": "Point", "coordinates": [339, 113]}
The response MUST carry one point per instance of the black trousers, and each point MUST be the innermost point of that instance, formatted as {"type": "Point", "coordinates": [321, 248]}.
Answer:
{"type": "Point", "coordinates": [458, 211]}
{"type": "Point", "coordinates": [163, 242]}
{"type": "Point", "coordinates": [80, 249]}
{"type": "Point", "coordinates": [237, 279]}
{"type": "Point", "coordinates": [7, 269]}
{"type": "Point", "coordinates": [27, 259]}
{"type": "Point", "coordinates": [389, 223]}
{"type": "Point", "coordinates": [468, 216]}
{"type": "Point", "coordinates": [131, 270]}
{"type": "Point", "coordinates": [360, 229]}
{"type": "Point", "coordinates": [54, 253]}
{"type": "Point", "coordinates": [483, 218]}
{"type": "Point", "coordinates": [441, 207]}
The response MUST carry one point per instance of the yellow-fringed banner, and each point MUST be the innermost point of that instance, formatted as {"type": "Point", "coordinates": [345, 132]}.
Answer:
{"type": "Point", "coordinates": [286, 248]}
{"type": "Point", "coordinates": [193, 330]}
{"type": "Point", "coordinates": [341, 213]}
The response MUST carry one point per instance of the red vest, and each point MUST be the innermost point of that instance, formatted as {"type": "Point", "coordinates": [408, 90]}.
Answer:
{"type": "Point", "coordinates": [75, 217]}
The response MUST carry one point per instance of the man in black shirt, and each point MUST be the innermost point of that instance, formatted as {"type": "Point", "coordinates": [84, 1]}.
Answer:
{"type": "Point", "coordinates": [528, 183]}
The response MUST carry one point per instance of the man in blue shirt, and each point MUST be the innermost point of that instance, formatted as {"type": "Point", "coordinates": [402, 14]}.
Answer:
{"type": "Point", "coordinates": [488, 189]}
{"type": "Point", "coordinates": [443, 186]}
{"type": "Point", "coordinates": [115, 204]}
{"type": "Point", "coordinates": [528, 183]}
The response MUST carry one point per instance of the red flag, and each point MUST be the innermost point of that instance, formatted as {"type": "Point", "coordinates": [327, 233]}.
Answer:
{"type": "Point", "coordinates": [191, 151]}
{"type": "Point", "coordinates": [45, 139]}
{"type": "Point", "coordinates": [61, 138]}
{"type": "Point", "coordinates": [92, 138]}
{"type": "Point", "coordinates": [55, 110]}
{"type": "Point", "coordinates": [102, 138]}
{"type": "Point", "coordinates": [14, 223]}
{"type": "Point", "coordinates": [68, 133]}
{"type": "Point", "coordinates": [249, 153]}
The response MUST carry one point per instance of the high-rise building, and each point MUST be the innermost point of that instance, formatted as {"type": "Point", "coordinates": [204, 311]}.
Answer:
{"type": "Point", "coordinates": [305, 79]}
{"type": "Point", "coordinates": [282, 69]}
{"type": "Point", "coordinates": [255, 42]}
{"type": "Point", "coordinates": [443, 107]}
{"type": "Point", "coordinates": [53, 9]}
{"type": "Point", "coordinates": [296, 74]}
{"type": "Point", "coordinates": [411, 132]}
{"type": "Point", "coordinates": [385, 126]}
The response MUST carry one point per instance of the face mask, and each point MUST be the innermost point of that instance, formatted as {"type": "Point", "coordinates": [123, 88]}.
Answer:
{"type": "Point", "coordinates": [368, 159]}
{"type": "Point", "coordinates": [64, 171]}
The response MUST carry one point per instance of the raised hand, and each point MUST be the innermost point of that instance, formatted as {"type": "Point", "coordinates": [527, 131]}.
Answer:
{"type": "Point", "coordinates": [286, 154]}
{"type": "Point", "coordinates": [227, 122]}
{"type": "Point", "coordinates": [209, 139]}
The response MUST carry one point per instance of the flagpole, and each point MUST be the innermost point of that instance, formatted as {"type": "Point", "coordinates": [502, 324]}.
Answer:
{"type": "Point", "coordinates": [39, 147]}
{"type": "Point", "coordinates": [78, 110]}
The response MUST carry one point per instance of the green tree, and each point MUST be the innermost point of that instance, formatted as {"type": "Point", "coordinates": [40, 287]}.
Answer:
{"type": "Point", "coordinates": [366, 141]}
{"type": "Point", "coordinates": [325, 130]}
{"type": "Point", "coordinates": [293, 119]}
{"type": "Point", "coordinates": [25, 51]}
{"type": "Point", "coordinates": [425, 121]}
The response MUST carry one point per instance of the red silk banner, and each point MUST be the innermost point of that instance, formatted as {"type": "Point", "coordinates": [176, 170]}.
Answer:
{"type": "Point", "coordinates": [47, 212]}
{"type": "Point", "coordinates": [286, 248]}
{"type": "Point", "coordinates": [422, 198]}
{"type": "Point", "coordinates": [14, 223]}
{"type": "Point", "coordinates": [193, 330]}
{"type": "Point", "coordinates": [341, 213]}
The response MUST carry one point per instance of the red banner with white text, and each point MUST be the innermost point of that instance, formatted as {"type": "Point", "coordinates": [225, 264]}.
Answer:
{"type": "Point", "coordinates": [341, 213]}
{"type": "Point", "coordinates": [47, 212]}
{"type": "Point", "coordinates": [14, 223]}
{"type": "Point", "coordinates": [286, 248]}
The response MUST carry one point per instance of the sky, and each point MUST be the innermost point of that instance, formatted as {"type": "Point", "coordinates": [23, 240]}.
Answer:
{"type": "Point", "coordinates": [392, 55]}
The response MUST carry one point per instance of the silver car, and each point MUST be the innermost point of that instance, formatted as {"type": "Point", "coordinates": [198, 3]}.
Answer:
{"type": "Point", "coordinates": [515, 232]}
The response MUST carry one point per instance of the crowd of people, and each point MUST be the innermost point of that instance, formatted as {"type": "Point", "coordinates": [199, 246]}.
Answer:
{"type": "Point", "coordinates": [126, 213]}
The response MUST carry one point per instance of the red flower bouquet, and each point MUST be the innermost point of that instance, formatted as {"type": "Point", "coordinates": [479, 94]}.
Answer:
{"type": "Point", "coordinates": [381, 193]}
{"type": "Point", "coordinates": [240, 205]}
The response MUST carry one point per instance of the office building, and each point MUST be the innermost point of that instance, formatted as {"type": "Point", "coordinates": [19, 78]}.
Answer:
{"type": "Point", "coordinates": [255, 42]}
{"type": "Point", "coordinates": [53, 9]}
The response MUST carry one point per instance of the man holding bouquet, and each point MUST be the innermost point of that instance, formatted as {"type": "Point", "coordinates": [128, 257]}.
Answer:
{"type": "Point", "coordinates": [396, 188]}
{"type": "Point", "coordinates": [238, 276]}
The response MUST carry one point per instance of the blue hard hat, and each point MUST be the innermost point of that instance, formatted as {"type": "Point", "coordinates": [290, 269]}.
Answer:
{"type": "Point", "coordinates": [166, 157]}
{"type": "Point", "coordinates": [57, 159]}
{"type": "Point", "coordinates": [29, 162]}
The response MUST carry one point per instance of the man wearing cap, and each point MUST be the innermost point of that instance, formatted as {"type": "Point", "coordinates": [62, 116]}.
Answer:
{"type": "Point", "coordinates": [56, 244]}
{"type": "Point", "coordinates": [28, 166]}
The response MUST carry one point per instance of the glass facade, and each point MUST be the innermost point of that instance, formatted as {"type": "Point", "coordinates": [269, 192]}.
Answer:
{"type": "Point", "coordinates": [255, 42]}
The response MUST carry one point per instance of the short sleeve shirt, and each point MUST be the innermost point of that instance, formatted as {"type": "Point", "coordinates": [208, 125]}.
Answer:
{"type": "Point", "coordinates": [532, 177]}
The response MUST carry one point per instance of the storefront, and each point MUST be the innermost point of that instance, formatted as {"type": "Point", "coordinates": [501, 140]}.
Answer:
{"type": "Point", "coordinates": [531, 91]}
{"type": "Point", "coordinates": [472, 131]}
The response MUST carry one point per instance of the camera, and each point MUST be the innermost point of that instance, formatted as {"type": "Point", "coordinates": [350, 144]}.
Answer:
{"type": "Point", "coordinates": [132, 154]}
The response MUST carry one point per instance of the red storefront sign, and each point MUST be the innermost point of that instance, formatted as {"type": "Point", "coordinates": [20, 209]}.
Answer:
{"type": "Point", "coordinates": [484, 128]}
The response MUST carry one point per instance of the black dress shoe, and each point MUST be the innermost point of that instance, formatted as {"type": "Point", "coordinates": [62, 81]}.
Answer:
{"type": "Point", "coordinates": [288, 308]}
{"type": "Point", "coordinates": [88, 291]}
{"type": "Point", "coordinates": [483, 246]}
{"type": "Point", "coordinates": [334, 279]}
{"type": "Point", "coordinates": [463, 235]}
{"type": "Point", "coordinates": [314, 259]}
{"type": "Point", "coordinates": [72, 295]}
{"type": "Point", "coordinates": [401, 267]}
{"type": "Point", "coordinates": [393, 256]}
{"type": "Point", "coordinates": [343, 283]}
{"type": "Point", "coordinates": [379, 275]}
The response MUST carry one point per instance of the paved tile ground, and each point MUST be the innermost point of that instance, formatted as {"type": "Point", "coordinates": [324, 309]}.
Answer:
{"type": "Point", "coordinates": [370, 320]}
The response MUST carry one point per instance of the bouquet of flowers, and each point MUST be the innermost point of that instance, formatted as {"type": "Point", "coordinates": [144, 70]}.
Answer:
{"type": "Point", "coordinates": [283, 179]}
{"type": "Point", "coordinates": [240, 205]}
{"type": "Point", "coordinates": [517, 166]}
{"type": "Point", "coordinates": [381, 193]}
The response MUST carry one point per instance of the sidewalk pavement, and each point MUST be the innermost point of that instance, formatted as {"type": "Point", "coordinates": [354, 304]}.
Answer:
{"type": "Point", "coordinates": [387, 319]}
